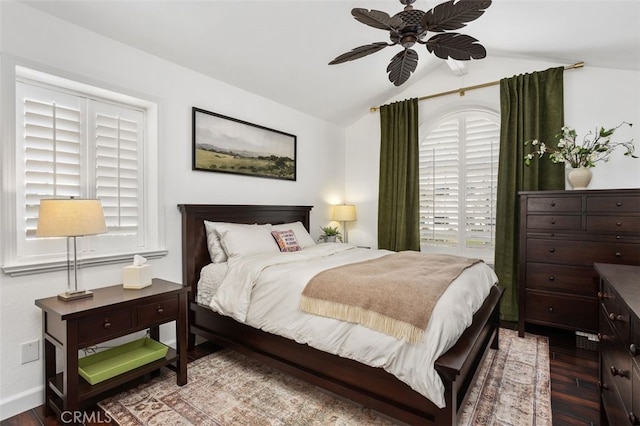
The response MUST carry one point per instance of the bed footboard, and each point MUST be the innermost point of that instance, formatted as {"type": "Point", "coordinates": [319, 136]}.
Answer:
{"type": "Point", "coordinates": [369, 386]}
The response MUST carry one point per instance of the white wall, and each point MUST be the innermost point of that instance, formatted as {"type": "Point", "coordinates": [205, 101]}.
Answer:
{"type": "Point", "coordinates": [592, 97]}
{"type": "Point", "coordinates": [31, 37]}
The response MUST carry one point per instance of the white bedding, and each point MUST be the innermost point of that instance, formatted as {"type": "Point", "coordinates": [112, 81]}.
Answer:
{"type": "Point", "coordinates": [264, 290]}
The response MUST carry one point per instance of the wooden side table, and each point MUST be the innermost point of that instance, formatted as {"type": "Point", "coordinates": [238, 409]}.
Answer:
{"type": "Point", "coordinates": [111, 312]}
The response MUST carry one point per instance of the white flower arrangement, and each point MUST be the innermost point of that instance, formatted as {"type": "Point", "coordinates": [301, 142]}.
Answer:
{"type": "Point", "coordinates": [596, 146]}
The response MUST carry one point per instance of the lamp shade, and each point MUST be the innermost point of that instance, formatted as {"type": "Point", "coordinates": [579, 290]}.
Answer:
{"type": "Point", "coordinates": [344, 213]}
{"type": "Point", "coordinates": [73, 217]}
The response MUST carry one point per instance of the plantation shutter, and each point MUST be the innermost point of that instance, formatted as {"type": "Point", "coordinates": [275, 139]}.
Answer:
{"type": "Point", "coordinates": [440, 186]}
{"type": "Point", "coordinates": [458, 181]}
{"type": "Point", "coordinates": [118, 144]}
{"type": "Point", "coordinates": [52, 148]}
{"type": "Point", "coordinates": [481, 166]}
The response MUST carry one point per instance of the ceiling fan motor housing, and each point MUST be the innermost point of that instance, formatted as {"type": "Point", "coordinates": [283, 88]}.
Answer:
{"type": "Point", "coordinates": [408, 35]}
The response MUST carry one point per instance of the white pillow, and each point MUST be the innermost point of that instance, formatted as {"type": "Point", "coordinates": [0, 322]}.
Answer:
{"type": "Point", "coordinates": [302, 235]}
{"type": "Point", "coordinates": [216, 252]}
{"type": "Point", "coordinates": [243, 240]}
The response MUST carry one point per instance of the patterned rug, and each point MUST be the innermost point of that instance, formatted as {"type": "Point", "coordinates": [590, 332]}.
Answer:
{"type": "Point", "coordinates": [226, 388]}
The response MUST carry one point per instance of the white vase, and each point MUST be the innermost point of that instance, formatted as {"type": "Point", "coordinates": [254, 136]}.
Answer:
{"type": "Point", "coordinates": [579, 177]}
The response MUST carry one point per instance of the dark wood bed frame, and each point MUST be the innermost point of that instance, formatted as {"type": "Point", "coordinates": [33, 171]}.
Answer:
{"type": "Point", "coordinates": [369, 386]}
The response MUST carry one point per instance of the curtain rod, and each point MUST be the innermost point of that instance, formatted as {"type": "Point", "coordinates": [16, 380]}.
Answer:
{"type": "Point", "coordinates": [462, 90]}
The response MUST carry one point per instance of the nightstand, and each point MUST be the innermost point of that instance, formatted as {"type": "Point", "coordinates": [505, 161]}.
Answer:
{"type": "Point", "coordinates": [111, 312]}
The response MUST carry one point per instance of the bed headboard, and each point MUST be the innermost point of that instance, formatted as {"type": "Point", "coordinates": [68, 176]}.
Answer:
{"type": "Point", "coordinates": [195, 254]}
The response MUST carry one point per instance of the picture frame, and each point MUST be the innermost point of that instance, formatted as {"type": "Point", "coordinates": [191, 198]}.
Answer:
{"type": "Point", "coordinates": [227, 145]}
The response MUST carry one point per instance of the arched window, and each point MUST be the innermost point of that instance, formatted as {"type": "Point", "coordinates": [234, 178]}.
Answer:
{"type": "Point", "coordinates": [458, 183]}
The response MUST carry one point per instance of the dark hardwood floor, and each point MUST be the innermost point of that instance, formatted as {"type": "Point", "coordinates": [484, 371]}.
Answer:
{"type": "Point", "coordinates": [574, 384]}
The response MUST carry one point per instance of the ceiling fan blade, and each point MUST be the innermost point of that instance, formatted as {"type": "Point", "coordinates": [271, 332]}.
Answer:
{"type": "Point", "coordinates": [456, 46]}
{"type": "Point", "coordinates": [377, 19]}
{"type": "Point", "coordinates": [402, 65]}
{"type": "Point", "coordinates": [449, 16]}
{"type": "Point", "coordinates": [359, 52]}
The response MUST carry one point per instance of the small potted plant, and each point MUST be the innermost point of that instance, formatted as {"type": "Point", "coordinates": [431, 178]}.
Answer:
{"type": "Point", "coordinates": [330, 234]}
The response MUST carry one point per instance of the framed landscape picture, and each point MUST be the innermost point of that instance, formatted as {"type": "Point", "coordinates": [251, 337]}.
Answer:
{"type": "Point", "coordinates": [228, 145]}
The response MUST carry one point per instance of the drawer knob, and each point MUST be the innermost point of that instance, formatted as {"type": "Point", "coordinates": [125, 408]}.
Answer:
{"type": "Point", "coordinates": [107, 323]}
{"type": "Point", "coordinates": [552, 278]}
{"type": "Point", "coordinates": [553, 221]}
{"type": "Point", "coordinates": [604, 337]}
{"type": "Point", "coordinates": [619, 204]}
{"type": "Point", "coordinates": [613, 317]}
{"type": "Point", "coordinates": [160, 309]}
{"type": "Point", "coordinates": [551, 309]}
{"type": "Point", "coordinates": [618, 223]}
{"type": "Point", "coordinates": [603, 386]}
{"type": "Point", "coordinates": [553, 204]}
{"type": "Point", "coordinates": [633, 349]}
{"type": "Point", "coordinates": [618, 372]}
{"type": "Point", "coordinates": [618, 254]}
{"type": "Point", "coordinates": [552, 250]}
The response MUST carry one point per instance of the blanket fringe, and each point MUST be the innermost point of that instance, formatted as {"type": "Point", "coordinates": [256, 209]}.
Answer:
{"type": "Point", "coordinates": [356, 314]}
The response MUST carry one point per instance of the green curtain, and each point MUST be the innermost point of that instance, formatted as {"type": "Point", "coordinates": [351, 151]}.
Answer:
{"type": "Point", "coordinates": [531, 107]}
{"type": "Point", "coordinates": [398, 198]}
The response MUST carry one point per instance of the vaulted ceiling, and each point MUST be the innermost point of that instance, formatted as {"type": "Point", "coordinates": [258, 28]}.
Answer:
{"type": "Point", "coordinates": [280, 49]}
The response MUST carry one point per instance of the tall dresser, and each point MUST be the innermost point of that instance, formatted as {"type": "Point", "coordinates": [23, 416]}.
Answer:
{"type": "Point", "coordinates": [562, 234]}
{"type": "Point", "coordinates": [619, 344]}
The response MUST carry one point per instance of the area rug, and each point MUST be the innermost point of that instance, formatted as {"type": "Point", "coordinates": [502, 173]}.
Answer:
{"type": "Point", "coordinates": [226, 388]}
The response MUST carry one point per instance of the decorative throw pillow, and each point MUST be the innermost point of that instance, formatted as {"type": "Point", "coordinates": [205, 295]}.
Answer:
{"type": "Point", "coordinates": [244, 240]}
{"type": "Point", "coordinates": [286, 240]}
{"type": "Point", "coordinates": [302, 235]}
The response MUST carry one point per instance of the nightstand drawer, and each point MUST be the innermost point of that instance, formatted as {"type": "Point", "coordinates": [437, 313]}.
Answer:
{"type": "Point", "coordinates": [566, 312]}
{"type": "Point", "coordinates": [103, 326]}
{"type": "Point", "coordinates": [159, 311]}
{"type": "Point", "coordinates": [571, 222]}
{"type": "Point", "coordinates": [554, 204]}
{"type": "Point", "coordinates": [579, 280]}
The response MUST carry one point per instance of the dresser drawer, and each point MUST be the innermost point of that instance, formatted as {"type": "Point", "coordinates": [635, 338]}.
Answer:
{"type": "Point", "coordinates": [586, 252]}
{"type": "Point", "coordinates": [561, 311]}
{"type": "Point", "coordinates": [635, 393]}
{"type": "Point", "coordinates": [554, 204]}
{"type": "Point", "coordinates": [614, 224]}
{"type": "Point", "coordinates": [623, 203]}
{"type": "Point", "coordinates": [617, 314]}
{"type": "Point", "coordinates": [579, 280]}
{"type": "Point", "coordinates": [616, 363]}
{"type": "Point", "coordinates": [157, 312]}
{"type": "Point", "coordinates": [616, 414]}
{"type": "Point", "coordinates": [103, 326]}
{"type": "Point", "coordinates": [551, 222]}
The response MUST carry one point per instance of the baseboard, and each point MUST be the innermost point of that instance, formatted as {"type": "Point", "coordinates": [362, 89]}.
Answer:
{"type": "Point", "coordinates": [21, 402]}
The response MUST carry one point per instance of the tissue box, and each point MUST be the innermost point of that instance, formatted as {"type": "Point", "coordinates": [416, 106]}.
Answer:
{"type": "Point", "coordinates": [136, 277]}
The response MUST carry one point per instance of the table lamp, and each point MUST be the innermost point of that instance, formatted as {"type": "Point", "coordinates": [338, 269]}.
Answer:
{"type": "Point", "coordinates": [71, 218]}
{"type": "Point", "coordinates": [344, 213]}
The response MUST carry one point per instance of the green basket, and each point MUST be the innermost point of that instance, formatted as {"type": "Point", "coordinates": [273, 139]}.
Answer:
{"type": "Point", "coordinates": [104, 365]}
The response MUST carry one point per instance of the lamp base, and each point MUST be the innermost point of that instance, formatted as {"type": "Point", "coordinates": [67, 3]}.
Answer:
{"type": "Point", "coordinates": [67, 297]}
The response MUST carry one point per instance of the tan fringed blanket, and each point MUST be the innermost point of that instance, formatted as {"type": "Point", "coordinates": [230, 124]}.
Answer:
{"type": "Point", "coordinates": [394, 294]}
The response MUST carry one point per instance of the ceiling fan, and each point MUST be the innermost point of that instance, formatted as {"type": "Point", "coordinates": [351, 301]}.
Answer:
{"type": "Point", "coordinates": [411, 26]}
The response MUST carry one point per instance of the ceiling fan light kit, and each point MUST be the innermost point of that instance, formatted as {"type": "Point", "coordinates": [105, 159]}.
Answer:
{"type": "Point", "coordinates": [411, 26]}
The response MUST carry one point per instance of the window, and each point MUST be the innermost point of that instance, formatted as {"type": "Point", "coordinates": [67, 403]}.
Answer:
{"type": "Point", "coordinates": [458, 183]}
{"type": "Point", "coordinates": [73, 140]}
